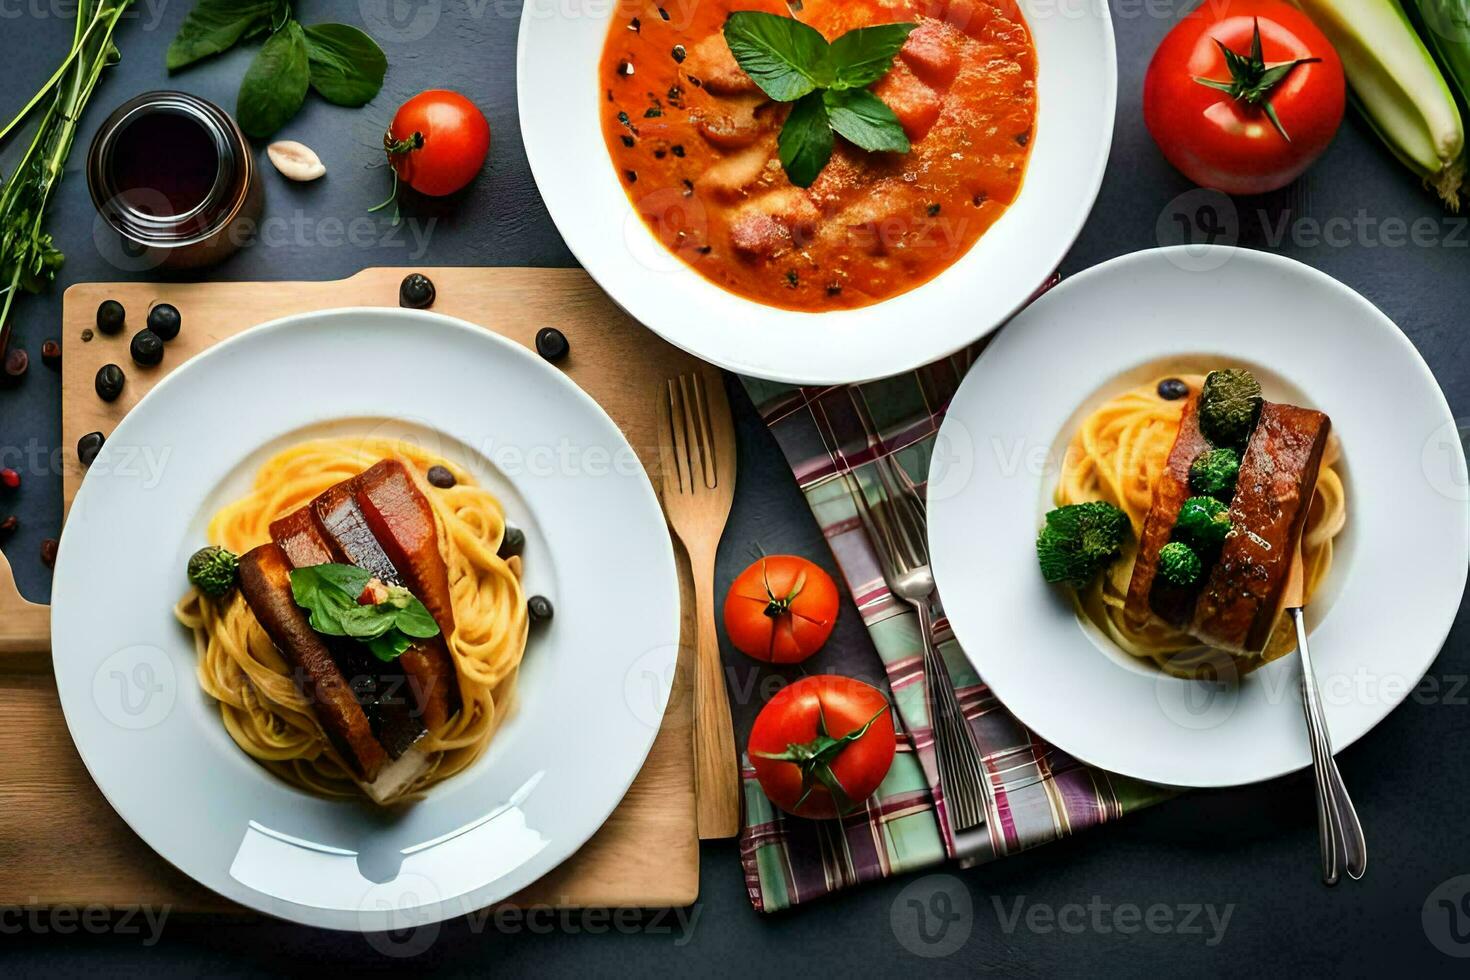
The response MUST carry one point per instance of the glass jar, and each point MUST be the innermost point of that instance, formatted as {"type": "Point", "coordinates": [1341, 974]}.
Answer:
{"type": "Point", "coordinates": [174, 183]}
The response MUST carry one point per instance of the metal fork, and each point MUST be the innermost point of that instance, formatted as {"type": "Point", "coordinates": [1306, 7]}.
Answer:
{"type": "Point", "coordinates": [899, 533]}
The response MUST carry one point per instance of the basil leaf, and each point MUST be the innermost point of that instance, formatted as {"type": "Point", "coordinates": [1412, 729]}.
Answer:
{"type": "Point", "coordinates": [275, 85]}
{"type": "Point", "coordinates": [414, 620]}
{"type": "Point", "coordinates": [866, 120]}
{"type": "Point", "coordinates": [214, 26]}
{"type": "Point", "coordinates": [863, 55]}
{"type": "Point", "coordinates": [785, 57]}
{"type": "Point", "coordinates": [805, 143]}
{"type": "Point", "coordinates": [389, 646]}
{"type": "Point", "coordinates": [347, 66]}
{"type": "Point", "coordinates": [366, 622]}
{"type": "Point", "coordinates": [349, 580]}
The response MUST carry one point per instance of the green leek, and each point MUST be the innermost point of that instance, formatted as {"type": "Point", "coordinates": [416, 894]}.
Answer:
{"type": "Point", "coordinates": [1397, 87]}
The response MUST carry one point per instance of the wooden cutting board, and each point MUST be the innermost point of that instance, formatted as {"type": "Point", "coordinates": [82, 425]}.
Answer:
{"type": "Point", "coordinates": [60, 842]}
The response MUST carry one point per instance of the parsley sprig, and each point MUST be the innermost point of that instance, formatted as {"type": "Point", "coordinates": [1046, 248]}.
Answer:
{"type": "Point", "coordinates": [828, 82]}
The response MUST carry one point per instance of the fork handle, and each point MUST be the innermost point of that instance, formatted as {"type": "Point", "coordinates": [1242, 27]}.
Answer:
{"type": "Point", "coordinates": [716, 769]}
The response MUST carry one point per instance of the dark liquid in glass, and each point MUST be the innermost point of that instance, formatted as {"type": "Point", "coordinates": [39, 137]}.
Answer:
{"type": "Point", "coordinates": [164, 163]}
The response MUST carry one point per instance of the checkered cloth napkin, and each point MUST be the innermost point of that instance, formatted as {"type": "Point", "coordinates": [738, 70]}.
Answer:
{"type": "Point", "coordinates": [1035, 792]}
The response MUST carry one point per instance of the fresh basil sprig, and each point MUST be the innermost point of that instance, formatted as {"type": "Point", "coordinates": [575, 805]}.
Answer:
{"type": "Point", "coordinates": [330, 592]}
{"type": "Point", "coordinates": [793, 62]}
{"type": "Point", "coordinates": [344, 65]}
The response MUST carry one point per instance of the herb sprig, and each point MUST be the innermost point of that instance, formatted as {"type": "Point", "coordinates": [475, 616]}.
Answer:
{"type": "Point", "coordinates": [343, 64]}
{"type": "Point", "coordinates": [330, 594]}
{"type": "Point", "coordinates": [828, 82]}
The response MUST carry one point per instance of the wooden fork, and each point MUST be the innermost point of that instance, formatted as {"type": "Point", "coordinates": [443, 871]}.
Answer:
{"type": "Point", "coordinates": [697, 456]}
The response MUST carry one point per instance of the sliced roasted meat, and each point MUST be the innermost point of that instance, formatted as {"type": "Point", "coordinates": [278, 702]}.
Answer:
{"type": "Point", "coordinates": [1148, 592]}
{"type": "Point", "coordinates": [385, 690]}
{"type": "Point", "coordinates": [402, 521]}
{"type": "Point", "coordinates": [429, 669]}
{"type": "Point", "coordinates": [1241, 601]}
{"type": "Point", "coordinates": [265, 582]}
{"type": "Point", "coordinates": [711, 62]}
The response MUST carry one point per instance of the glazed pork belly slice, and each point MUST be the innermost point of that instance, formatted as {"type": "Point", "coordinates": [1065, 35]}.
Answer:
{"type": "Point", "coordinates": [1148, 592]}
{"type": "Point", "coordinates": [1241, 601]}
{"type": "Point", "coordinates": [383, 689]}
{"type": "Point", "coordinates": [265, 582]}
{"type": "Point", "coordinates": [430, 671]}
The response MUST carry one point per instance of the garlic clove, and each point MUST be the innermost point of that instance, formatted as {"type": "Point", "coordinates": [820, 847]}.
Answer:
{"type": "Point", "coordinates": [295, 161]}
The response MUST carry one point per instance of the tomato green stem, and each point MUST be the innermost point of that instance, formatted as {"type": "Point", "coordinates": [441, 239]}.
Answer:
{"type": "Point", "coordinates": [1250, 80]}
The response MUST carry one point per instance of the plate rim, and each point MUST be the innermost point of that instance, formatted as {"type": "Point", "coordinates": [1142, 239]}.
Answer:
{"type": "Point", "coordinates": [363, 921]}
{"type": "Point", "coordinates": [1118, 265]}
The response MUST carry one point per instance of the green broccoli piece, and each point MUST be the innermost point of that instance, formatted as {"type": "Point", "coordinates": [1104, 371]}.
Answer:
{"type": "Point", "coordinates": [212, 570]}
{"type": "Point", "coordinates": [1078, 540]}
{"type": "Point", "coordinates": [1179, 564]}
{"type": "Point", "coordinates": [1214, 471]}
{"type": "Point", "coordinates": [1229, 404]}
{"type": "Point", "coordinates": [1203, 523]}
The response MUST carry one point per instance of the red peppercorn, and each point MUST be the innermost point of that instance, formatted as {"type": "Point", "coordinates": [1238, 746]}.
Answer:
{"type": "Point", "coordinates": [8, 526]}
{"type": "Point", "coordinates": [48, 552]}
{"type": "Point", "coordinates": [10, 478]}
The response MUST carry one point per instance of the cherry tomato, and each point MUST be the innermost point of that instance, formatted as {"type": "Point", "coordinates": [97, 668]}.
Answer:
{"type": "Point", "coordinates": [822, 745]}
{"type": "Point", "coordinates": [781, 609]}
{"type": "Point", "coordinates": [1212, 114]}
{"type": "Point", "coordinates": [437, 142]}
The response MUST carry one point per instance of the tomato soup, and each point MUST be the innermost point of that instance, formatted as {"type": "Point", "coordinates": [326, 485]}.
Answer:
{"type": "Point", "coordinates": [694, 143]}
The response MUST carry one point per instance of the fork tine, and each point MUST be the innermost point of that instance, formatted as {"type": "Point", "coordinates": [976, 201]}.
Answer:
{"type": "Point", "coordinates": [681, 447]}
{"type": "Point", "coordinates": [696, 414]}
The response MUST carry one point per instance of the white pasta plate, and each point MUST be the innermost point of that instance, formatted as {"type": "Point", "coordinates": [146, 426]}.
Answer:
{"type": "Point", "coordinates": [589, 698]}
{"type": "Point", "coordinates": [1398, 575]}
{"type": "Point", "coordinates": [560, 100]}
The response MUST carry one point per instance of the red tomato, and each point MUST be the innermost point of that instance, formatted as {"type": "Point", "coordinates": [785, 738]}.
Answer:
{"type": "Point", "coordinates": [437, 142]}
{"type": "Point", "coordinates": [1227, 140]}
{"type": "Point", "coordinates": [781, 609]}
{"type": "Point", "coordinates": [822, 745]}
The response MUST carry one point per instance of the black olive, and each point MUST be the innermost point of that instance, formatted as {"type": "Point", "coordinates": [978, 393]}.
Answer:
{"type": "Point", "coordinates": [165, 321]}
{"type": "Point", "coordinates": [110, 381]}
{"type": "Point", "coordinates": [417, 291]}
{"type": "Point", "coordinates": [147, 348]}
{"type": "Point", "coordinates": [552, 344]}
{"type": "Point", "coordinates": [88, 446]}
{"type": "Point", "coordinates": [51, 354]}
{"type": "Point", "coordinates": [540, 609]}
{"type": "Point", "coordinates": [440, 477]}
{"type": "Point", "coordinates": [111, 316]}
{"type": "Point", "coordinates": [1172, 389]}
{"type": "Point", "coordinates": [513, 543]}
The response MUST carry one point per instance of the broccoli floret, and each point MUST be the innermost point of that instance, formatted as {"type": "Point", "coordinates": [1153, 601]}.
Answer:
{"type": "Point", "coordinates": [1203, 523]}
{"type": "Point", "coordinates": [1179, 564]}
{"type": "Point", "coordinates": [1229, 405]}
{"type": "Point", "coordinates": [1078, 540]}
{"type": "Point", "coordinates": [1214, 471]}
{"type": "Point", "coordinates": [212, 570]}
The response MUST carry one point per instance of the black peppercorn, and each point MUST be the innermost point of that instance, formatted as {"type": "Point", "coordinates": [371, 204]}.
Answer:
{"type": "Point", "coordinates": [540, 609]}
{"type": "Point", "coordinates": [87, 335]}
{"type": "Point", "coordinates": [51, 354]}
{"type": "Point", "coordinates": [1172, 389]}
{"type": "Point", "coordinates": [440, 477]}
{"type": "Point", "coordinates": [513, 542]}
{"type": "Point", "coordinates": [110, 381]}
{"type": "Point", "coordinates": [147, 348]}
{"type": "Point", "coordinates": [17, 362]}
{"type": "Point", "coordinates": [111, 316]}
{"type": "Point", "coordinates": [165, 321]}
{"type": "Point", "coordinates": [88, 446]}
{"type": "Point", "coordinates": [416, 292]}
{"type": "Point", "coordinates": [552, 344]}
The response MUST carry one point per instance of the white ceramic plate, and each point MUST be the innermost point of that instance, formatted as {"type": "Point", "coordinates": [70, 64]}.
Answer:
{"type": "Point", "coordinates": [1399, 570]}
{"type": "Point", "coordinates": [591, 690]}
{"type": "Point", "coordinates": [560, 99]}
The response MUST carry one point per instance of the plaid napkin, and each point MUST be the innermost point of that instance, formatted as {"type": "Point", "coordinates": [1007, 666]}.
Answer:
{"type": "Point", "coordinates": [1035, 792]}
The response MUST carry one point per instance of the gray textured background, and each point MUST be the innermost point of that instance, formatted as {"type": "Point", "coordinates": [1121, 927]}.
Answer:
{"type": "Point", "coordinates": [1251, 851]}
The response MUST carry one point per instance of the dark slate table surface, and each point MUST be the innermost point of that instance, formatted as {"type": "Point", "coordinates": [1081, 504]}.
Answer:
{"type": "Point", "coordinates": [1234, 872]}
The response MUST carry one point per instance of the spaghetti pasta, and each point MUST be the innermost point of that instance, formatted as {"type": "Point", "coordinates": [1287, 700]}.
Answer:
{"type": "Point", "coordinates": [1117, 455]}
{"type": "Point", "coordinates": [261, 707]}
